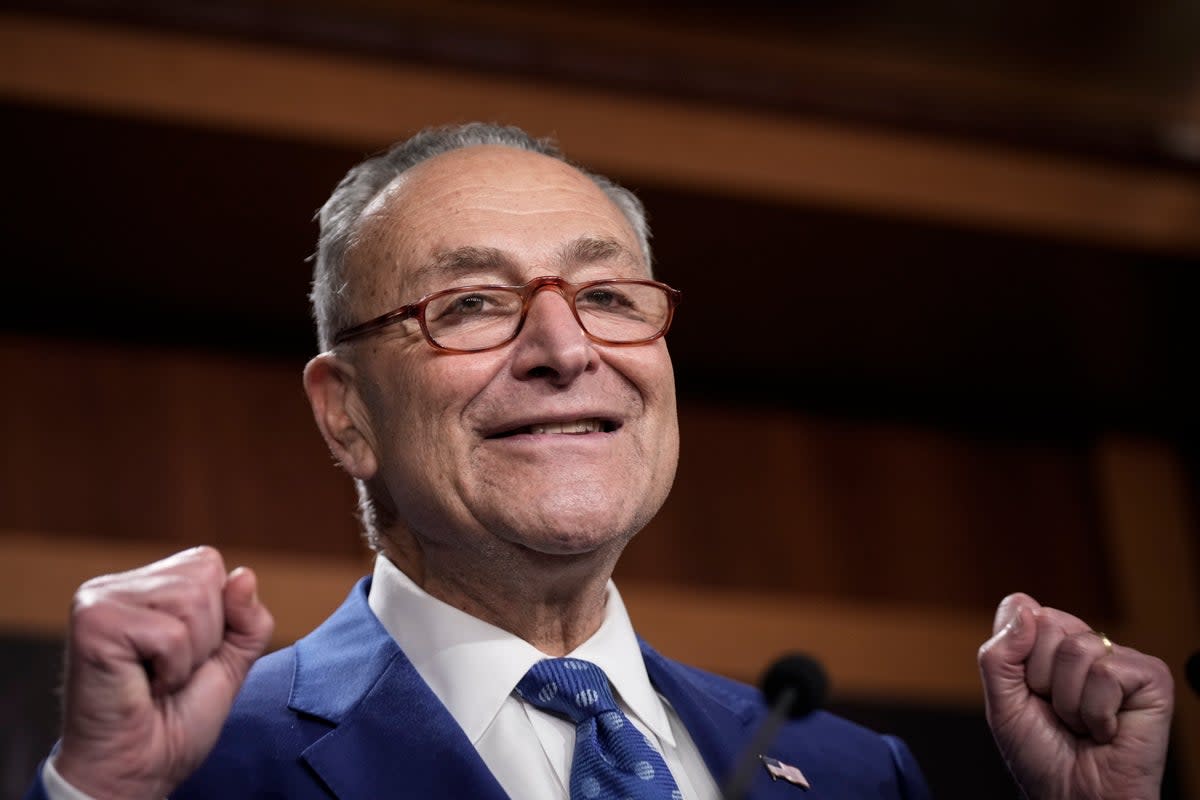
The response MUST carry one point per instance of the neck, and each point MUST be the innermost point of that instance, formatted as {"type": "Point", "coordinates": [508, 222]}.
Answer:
{"type": "Point", "coordinates": [553, 602]}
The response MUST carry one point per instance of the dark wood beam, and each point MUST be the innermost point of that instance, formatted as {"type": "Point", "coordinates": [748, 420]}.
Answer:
{"type": "Point", "coordinates": [368, 103]}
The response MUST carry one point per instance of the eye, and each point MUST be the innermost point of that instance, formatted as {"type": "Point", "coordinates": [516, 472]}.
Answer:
{"type": "Point", "coordinates": [460, 308]}
{"type": "Point", "coordinates": [604, 297]}
{"type": "Point", "coordinates": [468, 304]}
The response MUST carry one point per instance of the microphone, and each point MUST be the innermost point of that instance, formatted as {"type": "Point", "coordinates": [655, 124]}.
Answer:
{"type": "Point", "coordinates": [1191, 669]}
{"type": "Point", "coordinates": [797, 683]}
{"type": "Point", "coordinates": [794, 686]}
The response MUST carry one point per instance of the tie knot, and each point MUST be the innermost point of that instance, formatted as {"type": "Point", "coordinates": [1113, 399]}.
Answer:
{"type": "Point", "coordinates": [568, 687]}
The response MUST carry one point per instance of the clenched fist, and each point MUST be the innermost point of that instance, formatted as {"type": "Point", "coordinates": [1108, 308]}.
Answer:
{"type": "Point", "coordinates": [155, 657]}
{"type": "Point", "coordinates": [1075, 716]}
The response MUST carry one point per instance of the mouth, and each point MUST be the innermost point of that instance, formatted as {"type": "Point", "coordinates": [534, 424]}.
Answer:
{"type": "Point", "coordinates": [577, 427]}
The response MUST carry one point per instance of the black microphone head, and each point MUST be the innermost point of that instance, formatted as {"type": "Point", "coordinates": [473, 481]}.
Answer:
{"type": "Point", "coordinates": [1192, 670]}
{"type": "Point", "coordinates": [802, 674]}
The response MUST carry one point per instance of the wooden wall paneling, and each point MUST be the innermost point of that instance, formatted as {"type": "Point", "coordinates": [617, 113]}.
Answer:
{"type": "Point", "coordinates": [190, 448]}
{"type": "Point", "coordinates": [39, 572]}
{"type": "Point", "coordinates": [879, 491]}
{"type": "Point", "coordinates": [180, 447]}
{"type": "Point", "coordinates": [882, 513]}
{"type": "Point", "coordinates": [369, 103]}
{"type": "Point", "coordinates": [1152, 544]}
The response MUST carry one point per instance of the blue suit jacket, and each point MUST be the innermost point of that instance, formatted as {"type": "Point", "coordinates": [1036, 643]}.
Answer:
{"type": "Point", "coordinates": [343, 713]}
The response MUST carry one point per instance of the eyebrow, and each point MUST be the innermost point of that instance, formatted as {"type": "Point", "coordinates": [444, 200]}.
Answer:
{"type": "Point", "coordinates": [591, 249]}
{"type": "Point", "coordinates": [463, 262]}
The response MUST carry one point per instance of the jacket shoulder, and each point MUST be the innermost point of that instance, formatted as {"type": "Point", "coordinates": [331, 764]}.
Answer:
{"type": "Point", "coordinates": [259, 752]}
{"type": "Point", "coordinates": [830, 750]}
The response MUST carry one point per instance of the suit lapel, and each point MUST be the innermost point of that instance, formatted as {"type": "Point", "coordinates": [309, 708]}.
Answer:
{"type": "Point", "coordinates": [721, 727]}
{"type": "Point", "coordinates": [392, 736]}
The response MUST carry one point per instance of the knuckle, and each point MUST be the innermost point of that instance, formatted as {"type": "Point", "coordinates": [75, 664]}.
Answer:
{"type": "Point", "coordinates": [90, 609]}
{"type": "Point", "coordinates": [1074, 648]}
{"type": "Point", "coordinates": [1160, 672]}
{"type": "Point", "coordinates": [175, 636]}
{"type": "Point", "coordinates": [209, 559]}
{"type": "Point", "coordinates": [90, 623]}
{"type": "Point", "coordinates": [95, 632]}
{"type": "Point", "coordinates": [1156, 664]}
{"type": "Point", "coordinates": [1103, 669]}
{"type": "Point", "coordinates": [101, 583]}
{"type": "Point", "coordinates": [1046, 625]}
{"type": "Point", "coordinates": [194, 595]}
{"type": "Point", "coordinates": [1018, 597]}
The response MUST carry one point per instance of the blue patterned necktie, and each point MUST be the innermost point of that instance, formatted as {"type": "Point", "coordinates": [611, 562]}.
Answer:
{"type": "Point", "coordinates": [612, 758]}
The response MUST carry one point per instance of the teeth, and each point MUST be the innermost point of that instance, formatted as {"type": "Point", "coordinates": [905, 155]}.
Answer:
{"type": "Point", "coordinates": [578, 426]}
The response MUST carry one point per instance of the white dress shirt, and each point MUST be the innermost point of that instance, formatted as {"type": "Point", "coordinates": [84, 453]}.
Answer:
{"type": "Point", "coordinates": [473, 667]}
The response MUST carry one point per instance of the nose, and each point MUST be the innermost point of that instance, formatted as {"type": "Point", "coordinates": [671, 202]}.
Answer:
{"type": "Point", "coordinates": [551, 344]}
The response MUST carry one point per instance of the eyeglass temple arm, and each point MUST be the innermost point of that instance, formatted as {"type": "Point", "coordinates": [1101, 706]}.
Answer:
{"type": "Point", "coordinates": [372, 325]}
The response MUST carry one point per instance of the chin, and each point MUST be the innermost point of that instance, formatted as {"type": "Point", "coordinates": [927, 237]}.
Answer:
{"type": "Point", "coordinates": [569, 543]}
{"type": "Point", "coordinates": [573, 529]}
{"type": "Point", "coordinates": [567, 517]}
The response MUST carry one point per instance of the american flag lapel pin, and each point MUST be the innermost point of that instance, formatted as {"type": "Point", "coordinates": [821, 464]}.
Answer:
{"type": "Point", "coordinates": [781, 771]}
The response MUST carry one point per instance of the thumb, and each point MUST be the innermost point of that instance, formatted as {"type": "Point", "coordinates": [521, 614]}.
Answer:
{"type": "Point", "coordinates": [248, 628]}
{"type": "Point", "coordinates": [1002, 657]}
{"type": "Point", "coordinates": [204, 703]}
{"type": "Point", "coordinates": [248, 623]}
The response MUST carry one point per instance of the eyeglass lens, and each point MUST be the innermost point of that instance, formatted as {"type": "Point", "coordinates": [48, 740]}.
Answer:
{"type": "Point", "coordinates": [612, 311]}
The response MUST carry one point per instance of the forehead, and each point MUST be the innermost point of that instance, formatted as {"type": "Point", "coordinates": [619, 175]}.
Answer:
{"type": "Point", "coordinates": [527, 208]}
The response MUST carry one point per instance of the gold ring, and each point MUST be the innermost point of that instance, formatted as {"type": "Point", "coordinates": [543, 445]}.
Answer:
{"type": "Point", "coordinates": [1108, 645]}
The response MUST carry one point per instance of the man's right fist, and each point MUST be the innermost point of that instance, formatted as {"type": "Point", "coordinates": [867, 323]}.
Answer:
{"type": "Point", "coordinates": [155, 657]}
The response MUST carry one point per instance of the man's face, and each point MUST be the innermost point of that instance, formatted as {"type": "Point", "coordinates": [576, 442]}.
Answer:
{"type": "Point", "coordinates": [485, 450]}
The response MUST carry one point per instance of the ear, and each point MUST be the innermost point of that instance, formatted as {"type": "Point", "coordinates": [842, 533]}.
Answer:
{"type": "Point", "coordinates": [340, 414]}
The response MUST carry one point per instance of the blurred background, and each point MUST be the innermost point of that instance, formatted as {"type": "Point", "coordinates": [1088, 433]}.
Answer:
{"type": "Point", "coordinates": [940, 263]}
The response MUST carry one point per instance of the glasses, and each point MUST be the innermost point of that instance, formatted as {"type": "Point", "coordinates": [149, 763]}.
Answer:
{"type": "Point", "coordinates": [470, 319]}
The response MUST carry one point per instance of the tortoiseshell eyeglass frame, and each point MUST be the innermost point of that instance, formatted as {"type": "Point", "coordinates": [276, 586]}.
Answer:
{"type": "Point", "coordinates": [527, 292]}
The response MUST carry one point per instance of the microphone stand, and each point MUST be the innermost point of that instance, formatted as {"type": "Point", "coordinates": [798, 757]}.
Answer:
{"type": "Point", "coordinates": [739, 782]}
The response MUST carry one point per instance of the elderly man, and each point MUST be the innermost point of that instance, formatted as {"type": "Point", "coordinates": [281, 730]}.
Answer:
{"type": "Point", "coordinates": [495, 380]}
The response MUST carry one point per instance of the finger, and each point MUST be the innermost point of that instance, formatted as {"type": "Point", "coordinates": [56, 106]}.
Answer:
{"type": "Point", "coordinates": [248, 623]}
{"type": "Point", "coordinates": [1007, 609]}
{"type": "Point", "coordinates": [195, 602]}
{"type": "Point", "coordinates": [1002, 664]}
{"type": "Point", "coordinates": [165, 645]}
{"type": "Point", "coordinates": [202, 570]}
{"type": "Point", "coordinates": [191, 562]}
{"type": "Point", "coordinates": [248, 630]}
{"type": "Point", "coordinates": [1101, 697]}
{"type": "Point", "coordinates": [1073, 662]}
{"type": "Point", "coordinates": [201, 557]}
{"type": "Point", "coordinates": [1002, 657]}
{"type": "Point", "coordinates": [187, 585]}
{"type": "Point", "coordinates": [1052, 627]}
{"type": "Point", "coordinates": [129, 650]}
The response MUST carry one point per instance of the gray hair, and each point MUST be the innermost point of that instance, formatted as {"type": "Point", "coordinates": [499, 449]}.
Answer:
{"type": "Point", "coordinates": [339, 219]}
{"type": "Point", "coordinates": [341, 213]}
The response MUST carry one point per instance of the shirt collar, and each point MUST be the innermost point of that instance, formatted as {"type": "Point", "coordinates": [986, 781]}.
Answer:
{"type": "Point", "coordinates": [473, 666]}
{"type": "Point", "coordinates": [614, 648]}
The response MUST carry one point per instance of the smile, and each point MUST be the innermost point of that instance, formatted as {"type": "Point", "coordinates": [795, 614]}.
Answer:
{"type": "Point", "coordinates": [571, 427]}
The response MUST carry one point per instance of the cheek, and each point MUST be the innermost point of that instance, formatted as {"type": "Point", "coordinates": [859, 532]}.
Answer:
{"type": "Point", "coordinates": [423, 401]}
{"type": "Point", "coordinates": [668, 420]}
{"type": "Point", "coordinates": [655, 381]}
